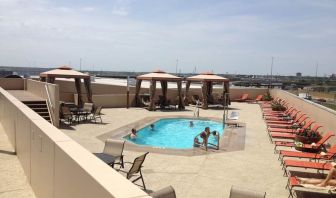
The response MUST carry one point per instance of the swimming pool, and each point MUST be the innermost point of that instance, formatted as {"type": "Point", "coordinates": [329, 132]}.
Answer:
{"type": "Point", "coordinates": [174, 133]}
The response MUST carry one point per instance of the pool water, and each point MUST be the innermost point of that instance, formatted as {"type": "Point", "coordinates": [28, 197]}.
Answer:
{"type": "Point", "coordinates": [175, 133]}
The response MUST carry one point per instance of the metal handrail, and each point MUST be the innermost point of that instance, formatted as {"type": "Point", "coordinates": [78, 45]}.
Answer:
{"type": "Point", "coordinates": [196, 110]}
{"type": "Point", "coordinates": [49, 105]}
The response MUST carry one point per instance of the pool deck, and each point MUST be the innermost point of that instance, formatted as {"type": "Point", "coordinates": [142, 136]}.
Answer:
{"type": "Point", "coordinates": [210, 175]}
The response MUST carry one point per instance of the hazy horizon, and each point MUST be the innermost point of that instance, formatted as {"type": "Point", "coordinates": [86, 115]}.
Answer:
{"type": "Point", "coordinates": [231, 36]}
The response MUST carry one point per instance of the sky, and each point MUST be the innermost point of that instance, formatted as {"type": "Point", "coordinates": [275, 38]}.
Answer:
{"type": "Point", "coordinates": [222, 36]}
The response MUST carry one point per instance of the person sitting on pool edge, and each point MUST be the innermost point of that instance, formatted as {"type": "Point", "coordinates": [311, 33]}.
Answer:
{"type": "Point", "coordinates": [133, 133]}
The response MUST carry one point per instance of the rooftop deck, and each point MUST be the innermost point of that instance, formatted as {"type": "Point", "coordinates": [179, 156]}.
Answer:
{"type": "Point", "coordinates": [210, 175]}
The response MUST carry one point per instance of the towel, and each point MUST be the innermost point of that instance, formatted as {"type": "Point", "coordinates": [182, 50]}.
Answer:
{"type": "Point", "coordinates": [311, 186]}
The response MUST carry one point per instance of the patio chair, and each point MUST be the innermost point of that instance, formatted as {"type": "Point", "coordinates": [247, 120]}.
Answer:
{"type": "Point", "coordinates": [135, 170]}
{"type": "Point", "coordinates": [167, 192]}
{"type": "Point", "coordinates": [243, 98]}
{"type": "Point", "coordinates": [96, 114]}
{"type": "Point", "coordinates": [145, 101]}
{"type": "Point", "coordinates": [66, 114]}
{"type": "Point", "coordinates": [317, 147]}
{"type": "Point", "coordinates": [85, 111]}
{"type": "Point", "coordinates": [196, 99]}
{"type": "Point", "coordinates": [115, 148]}
{"type": "Point", "coordinates": [239, 192]}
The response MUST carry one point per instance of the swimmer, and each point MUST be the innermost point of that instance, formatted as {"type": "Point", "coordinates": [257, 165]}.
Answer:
{"type": "Point", "coordinates": [133, 133]}
{"type": "Point", "coordinates": [191, 124]}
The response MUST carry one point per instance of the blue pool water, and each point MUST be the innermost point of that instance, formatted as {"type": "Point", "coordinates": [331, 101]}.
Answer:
{"type": "Point", "coordinates": [175, 133]}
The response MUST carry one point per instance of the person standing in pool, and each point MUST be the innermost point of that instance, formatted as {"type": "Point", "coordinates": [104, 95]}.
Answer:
{"type": "Point", "coordinates": [133, 134]}
{"type": "Point", "coordinates": [151, 127]}
{"type": "Point", "coordinates": [191, 124]}
{"type": "Point", "coordinates": [205, 136]}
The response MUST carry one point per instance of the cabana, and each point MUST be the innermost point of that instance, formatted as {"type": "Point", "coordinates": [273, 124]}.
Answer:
{"type": "Point", "coordinates": [207, 80]}
{"type": "Point", "coordinates": [67, 72]}
{"type": "Point", "coordinates": [164, 78]}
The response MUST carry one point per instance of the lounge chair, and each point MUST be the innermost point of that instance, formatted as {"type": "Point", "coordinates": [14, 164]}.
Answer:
{"type": "Point", "coordinates": [293, 130]}
{"type": "Point", "coordinates": [299, 122]}
{"type": "Point", "coordinates": [293, 185]}
{"type": "Point", "coordinates": [259, 98]}
{"type": "Point", "coordinates": [277, 113]}
{"type": "Point", "coordinates": [291, 134]}
{"type": "Point", "coordinates": [243, 98]}
{"type": "Point", "coordinates": [135, 170]}
{"type": "Point", "coordinates": [294, 117]}
{"type": "Point", "coordinates": [317, 147]}
{"type": "Point", "coordinates": [306, 164]}
{"type": "Point", "coordinates": [167, 192]}
{"type": "Point", "coordinates": [311, 156]}
{"type": "Point", "coordinates": [291, 112]}
{"type": "Point", "coordinates": [239, 192]}
{"type": "Point", "coordinates": [96, 114]}
{"type": "Point", "coordinates": [233, 116]}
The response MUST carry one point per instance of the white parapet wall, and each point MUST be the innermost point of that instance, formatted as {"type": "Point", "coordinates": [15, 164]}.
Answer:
{"type": "Point", "coordinates": [55, 165]}
{"type": "Point", "coordinates": [320, 114]}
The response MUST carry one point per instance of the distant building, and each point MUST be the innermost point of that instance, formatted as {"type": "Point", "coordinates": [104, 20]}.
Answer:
{"type": "Point", "coordinates": [333, 76]}
{"type": "Point", "coordinates": [298, 74]}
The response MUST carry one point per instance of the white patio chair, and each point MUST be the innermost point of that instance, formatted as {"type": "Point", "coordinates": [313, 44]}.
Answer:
{"type": "Point", "coordinates": [115, 148]}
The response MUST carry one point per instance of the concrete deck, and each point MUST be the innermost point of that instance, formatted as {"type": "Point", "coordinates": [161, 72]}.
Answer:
{"type": "Point", "coordinates": [210, 175]}
{"type": "Point", "coordinates": [13, 182]}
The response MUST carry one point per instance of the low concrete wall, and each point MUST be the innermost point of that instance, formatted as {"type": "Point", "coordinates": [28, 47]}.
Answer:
{"type": "Point", "coordinates": [55, 165]}
{"type": "Point", "coordinates": [12, 83]}
{"type": "Point", "coordinates": [319, 113]}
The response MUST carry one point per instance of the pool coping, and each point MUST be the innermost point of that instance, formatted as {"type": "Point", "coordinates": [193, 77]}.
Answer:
{"type": "Point", "coordinates": [233, 138]}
